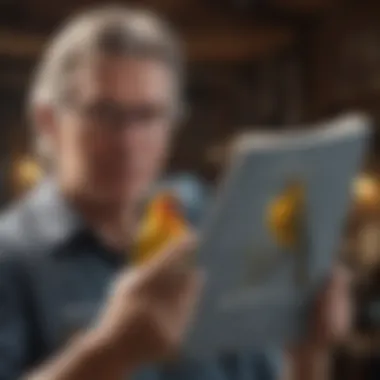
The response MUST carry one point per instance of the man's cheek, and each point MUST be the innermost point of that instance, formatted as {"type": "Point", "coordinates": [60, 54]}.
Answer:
{"type": "Point", "coordinates": [159, 164]}
{"type": "Point", "coordinates": [155, 152]}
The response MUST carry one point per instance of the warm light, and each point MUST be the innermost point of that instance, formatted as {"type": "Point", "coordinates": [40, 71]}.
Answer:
{"type": "Point", "coordinates": [369, 241]}
{"type": "Point", "coordinates": [367, 190]}
{"type": "Point", "coordinates": [27, 173]}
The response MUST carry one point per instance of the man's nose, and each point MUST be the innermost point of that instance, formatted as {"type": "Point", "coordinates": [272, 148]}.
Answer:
{"type": "Point", "coordinates": [133, 134]}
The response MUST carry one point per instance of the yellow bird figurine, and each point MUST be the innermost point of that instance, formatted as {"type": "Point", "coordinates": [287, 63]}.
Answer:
{"type": "Point", "coordinates": [162, 223]}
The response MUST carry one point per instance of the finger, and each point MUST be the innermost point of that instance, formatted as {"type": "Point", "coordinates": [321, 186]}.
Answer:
{"type": "Point", "coordinates": [186, 305]}
{"type": "Point", "coordinates": [174, 256]}
{"type": "Point", "coordinates": [336, 285]}
{"type": "Point", "coordinates": [338, 313]}
{"type": "Point", "coordinates": [339, 277]}
{"type": "Point", "coordinates": [342, 275]}
{"type": "Point", "coordinates": [335, 309]}
{"type": "Point", "coordinates": [192, 294]}
{"type": "Point", "coordinates": [340, 281]}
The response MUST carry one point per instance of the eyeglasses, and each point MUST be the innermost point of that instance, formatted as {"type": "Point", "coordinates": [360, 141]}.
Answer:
{"type": "Point", "coordinates": [111, 115]}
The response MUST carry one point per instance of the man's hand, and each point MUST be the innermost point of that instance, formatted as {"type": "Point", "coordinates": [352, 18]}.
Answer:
{"type": "Point", "coordinates": [334, 313]}
{"type": "Point", "coordinates": [144, 321]}
{"type": "Point", "coordinates": [151, 306]}
{"type": "Point", "coordinates": [330, 325]}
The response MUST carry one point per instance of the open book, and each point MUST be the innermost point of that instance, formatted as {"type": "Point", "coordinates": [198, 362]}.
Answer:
{"type": "Point", "coordinates": [272, 236]}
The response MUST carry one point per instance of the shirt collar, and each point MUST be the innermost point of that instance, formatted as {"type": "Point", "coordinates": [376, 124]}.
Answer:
{"type": "Point", "coordinates": [55, 220]}
{"type": "Point", "coordinates": [61, 229]}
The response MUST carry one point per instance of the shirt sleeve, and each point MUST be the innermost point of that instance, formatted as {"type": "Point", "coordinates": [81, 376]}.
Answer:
{"type": "Point", "coordinates": [13, 321]}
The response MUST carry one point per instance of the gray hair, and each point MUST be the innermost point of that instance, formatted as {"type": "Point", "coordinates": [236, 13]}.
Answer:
{"type": "Point", "coordinates": [111, 30]}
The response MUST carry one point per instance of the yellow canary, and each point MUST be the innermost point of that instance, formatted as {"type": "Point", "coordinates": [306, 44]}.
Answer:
{"type": "Point", "coordinates": [162, 223]}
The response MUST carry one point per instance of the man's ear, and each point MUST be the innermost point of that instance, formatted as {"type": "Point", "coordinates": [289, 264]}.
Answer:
{"type": "Point", "coordinates": [44, 120]}
{"type": "Point", "coordinates": [44, 124]}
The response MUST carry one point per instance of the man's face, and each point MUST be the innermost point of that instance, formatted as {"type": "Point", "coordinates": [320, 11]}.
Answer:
{"type": "Point", "coordinates": [115, 131]}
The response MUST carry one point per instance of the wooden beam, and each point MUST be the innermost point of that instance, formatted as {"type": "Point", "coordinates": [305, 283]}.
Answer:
{"type": "Point", "coordinates": [14, 80]}
{"type": "Point", "coordinates": [306, 6]}
{"type": "Point", "coordinates": [240, 45]}
{"type": "Point", "coordinates": [303, 5]}
{"type": "Point", "coordinates": [206, 44]}
{"type": "Point", "coordinates": [20, 45]}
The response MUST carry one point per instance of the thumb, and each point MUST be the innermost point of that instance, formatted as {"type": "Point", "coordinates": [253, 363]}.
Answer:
{"type": "Point", "coordinates": [176, 254]}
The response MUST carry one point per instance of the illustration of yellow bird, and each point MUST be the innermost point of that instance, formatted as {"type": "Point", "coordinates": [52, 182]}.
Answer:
{"type": "Point", "coordinates": [285, 216]}
{"type": "Point", "coordinates": [162, 223]}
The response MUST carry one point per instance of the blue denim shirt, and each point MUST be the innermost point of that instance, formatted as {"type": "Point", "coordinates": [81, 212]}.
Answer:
{"type": "Point", "coordinates": [54, 277]}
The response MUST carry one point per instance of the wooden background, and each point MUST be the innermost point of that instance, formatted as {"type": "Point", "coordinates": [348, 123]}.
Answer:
{"type": "Point", "coordinates": [247, 60]}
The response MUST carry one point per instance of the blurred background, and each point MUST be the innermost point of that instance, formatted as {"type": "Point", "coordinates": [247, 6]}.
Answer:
{"type": "Point", "coordinates": [252, 64]}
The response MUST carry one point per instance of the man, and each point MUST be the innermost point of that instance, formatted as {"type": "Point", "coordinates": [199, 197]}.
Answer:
{"type": "Point", "coordinates": [104, 105]}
